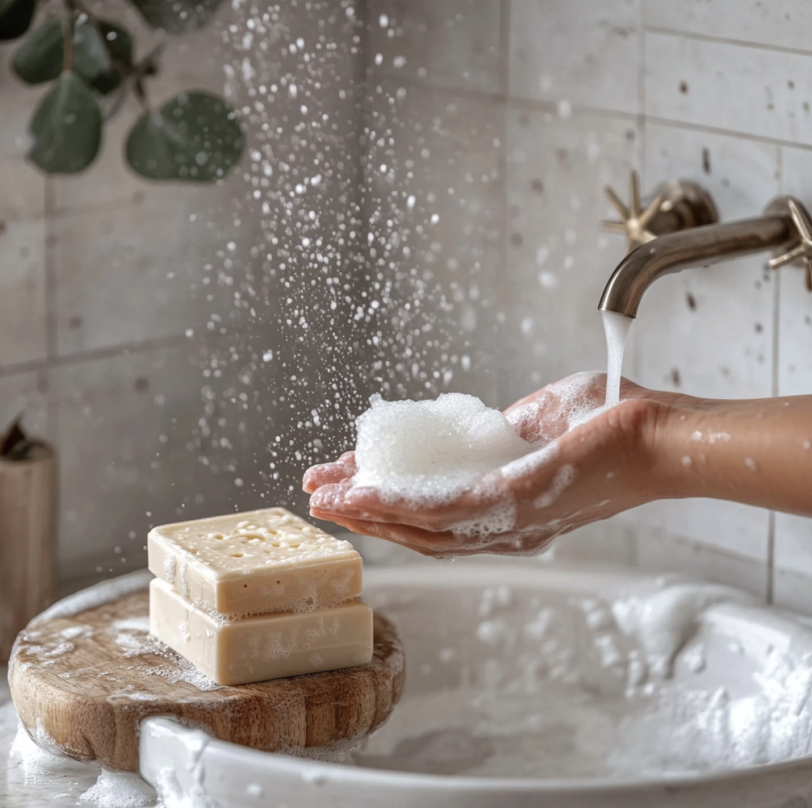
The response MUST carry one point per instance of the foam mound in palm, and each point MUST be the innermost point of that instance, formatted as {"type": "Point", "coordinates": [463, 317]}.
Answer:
{"type": "Point", "coordinates": [428, 452]}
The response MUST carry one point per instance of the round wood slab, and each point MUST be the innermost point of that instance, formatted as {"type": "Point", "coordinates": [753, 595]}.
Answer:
{"type": "Point", "coordinates": [82, 684]}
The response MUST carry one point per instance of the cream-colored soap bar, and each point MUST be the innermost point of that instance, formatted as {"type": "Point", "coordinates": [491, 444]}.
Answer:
{"type": "Point", "coordinates": [271, 646]}
{"type": "Point", "coordinates": [255, 562]}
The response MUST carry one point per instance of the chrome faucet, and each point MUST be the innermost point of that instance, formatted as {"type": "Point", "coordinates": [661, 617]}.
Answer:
{"type": "Point", "coordinates": [679, 229]}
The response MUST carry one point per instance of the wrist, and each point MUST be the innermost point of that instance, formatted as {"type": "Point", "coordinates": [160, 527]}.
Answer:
{"type": "Point", "coordinates": [681, 466]}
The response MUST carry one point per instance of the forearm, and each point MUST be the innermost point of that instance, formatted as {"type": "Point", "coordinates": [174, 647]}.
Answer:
{"type": "Point", "coordinates": [758, 452]}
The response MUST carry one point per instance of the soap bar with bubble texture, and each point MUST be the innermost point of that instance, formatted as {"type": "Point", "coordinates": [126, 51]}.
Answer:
{"type": "Point", "coordinates": [255, 562]}
{"type": "Point", "coordinates": [265, 646]}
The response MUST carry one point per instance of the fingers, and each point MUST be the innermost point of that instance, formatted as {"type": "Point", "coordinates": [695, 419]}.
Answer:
{"type": "Point", "coordinates": [329, 473]}
{"type": "Point", "coordinates": [344, 500]}
{"type": "Point", "coordinates": [421, 541]}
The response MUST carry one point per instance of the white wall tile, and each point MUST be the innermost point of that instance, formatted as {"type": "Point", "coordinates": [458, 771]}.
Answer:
{"type": "Point", "coordinates": [134, 453]}
{"type": "Point", "coordinates": [743, 89]}
{"type": "Point", "coordinates": [25, 394]}
{"type": "Point", "coordinates": [576, 53]}
{"type": "Point", "coordinates": [22, 190]}
{"type": "Point", "coordinates": [18, 102]}
{"type": "Point", "coordinates": [666, 551]}
{"type": "Point", "coordinates": [783, 25]}
{"type": "Point", "coordinates": [23, 336]}
{"type": "Point", "coordinates": [435, 174]}
{"type": "Point", "coordinates": [558, 259]}
{"type": "Point", "coordinates": [140, 272]}
{"type": "Point", "coordinates": [728, 526]}
{"type": "Point", "coordinates": [795, 307]}
{"type": "Point", "coordinates": [612, 541]}
{"type": "Point", "coordinates": [708, 332]}
{"type": "Point", "coordinates": [793, 544]}
{"type": "Point", "coordinates": [793, 591]}
{"type": "Point", "coordinates": [456, 43]}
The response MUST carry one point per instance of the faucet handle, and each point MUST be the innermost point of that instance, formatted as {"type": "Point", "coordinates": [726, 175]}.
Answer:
{"type": "Point", "coordinates": [635, 219]}
{"type": "Point", "coordinates": [801, 252]}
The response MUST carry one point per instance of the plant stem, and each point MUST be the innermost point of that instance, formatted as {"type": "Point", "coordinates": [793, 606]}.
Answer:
{"type": "Point", "coordinates": [140, 92]}
{"type": "Point", "coordinates": [67, 30]}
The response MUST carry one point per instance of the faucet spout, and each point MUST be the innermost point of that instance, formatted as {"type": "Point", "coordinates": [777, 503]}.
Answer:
{"type": "Point", "coordinates": [697, 246]}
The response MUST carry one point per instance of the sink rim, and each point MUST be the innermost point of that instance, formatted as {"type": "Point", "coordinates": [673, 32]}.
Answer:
{"type": "Point", "coordinates": [595, 580]}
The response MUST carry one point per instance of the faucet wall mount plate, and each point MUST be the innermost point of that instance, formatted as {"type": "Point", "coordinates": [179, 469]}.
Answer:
{"type": "Point", "coordinates": [667, 240]}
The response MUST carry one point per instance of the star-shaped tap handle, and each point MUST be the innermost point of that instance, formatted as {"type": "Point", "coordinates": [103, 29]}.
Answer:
{"type": "Point", "coordinates": [635, 219]}
{"type": "Point", "coordinates": [801, 253]}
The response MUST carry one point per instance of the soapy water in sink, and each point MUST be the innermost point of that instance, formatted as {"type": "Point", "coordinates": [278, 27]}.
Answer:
{"type": "Point", "coordinates": [625, 689]}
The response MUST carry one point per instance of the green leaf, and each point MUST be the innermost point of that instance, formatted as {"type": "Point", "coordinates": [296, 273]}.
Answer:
{"type": "Point", "coordinates": [15, 17]}
{"type": "Point", "coordinates": [41, 54]}
{"type": "Point", "coordinates": [98, 49]}
{"type": "Point", "coordinates": [195, 136]}
{"type": "Point", "coordinates": [177, 16]}
{"type": "Point", "coordinates": [66, 127]}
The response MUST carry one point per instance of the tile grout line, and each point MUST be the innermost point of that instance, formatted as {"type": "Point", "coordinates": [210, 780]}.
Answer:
{"type": "Point", "coordinates": [538, 105]}
{"type": "Point", "coordinates": [92, 355]}
{"type": "Point", "coordinates": [776, 358]}
{"type": "Point", "coordinates": [51, 339]}
{"type": "Point", "coordinates": [499, 377]}
{"type": "Point", "coordinates": [642, 128]}
{"type": "Point", "coordinates": [740, 43]}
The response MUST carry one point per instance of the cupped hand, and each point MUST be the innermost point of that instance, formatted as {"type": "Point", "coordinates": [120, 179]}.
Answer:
{"type": "Point", "coordinates": [580, 473]}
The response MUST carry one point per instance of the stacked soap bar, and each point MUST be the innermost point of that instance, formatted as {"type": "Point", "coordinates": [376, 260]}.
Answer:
{"type": "Point", "coordinates": [258, 595]}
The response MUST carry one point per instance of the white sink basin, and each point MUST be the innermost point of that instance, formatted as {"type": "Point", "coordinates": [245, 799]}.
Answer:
{"type": "Point", "coordinates": [534, 686]}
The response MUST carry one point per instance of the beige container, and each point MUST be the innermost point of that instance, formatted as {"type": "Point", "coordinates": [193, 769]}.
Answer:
{"type": "Point", "coordinates": [27, 541]}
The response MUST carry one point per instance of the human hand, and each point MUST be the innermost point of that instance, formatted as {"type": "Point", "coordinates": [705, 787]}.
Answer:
{"type": "Point", "coordinates": [578, 475]}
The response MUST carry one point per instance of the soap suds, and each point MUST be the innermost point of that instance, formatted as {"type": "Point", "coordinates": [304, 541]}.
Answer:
{"type": "Point", "coordinates": [501, 518]}
{"type": "Point", "coordinates": [429, 452]}
{"type": "Point", "coordinates": [562, 479]}
{"type": "Point", "coordinates": [663, 620]}
{"type": "Point", "coordinates": [120, 790]}
{"type": "Point", "coordinates": [531, 462]}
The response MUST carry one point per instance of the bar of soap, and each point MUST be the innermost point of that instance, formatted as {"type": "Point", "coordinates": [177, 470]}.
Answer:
{"type": "Point", "coordinates": [270, 646]}
{"type": "Point", "coordinates": [254, 563]}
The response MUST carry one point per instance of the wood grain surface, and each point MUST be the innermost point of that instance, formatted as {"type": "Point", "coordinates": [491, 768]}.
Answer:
{"type": "Point", "coordinates": [27, 541]}
{"type": "Point", "coordinates": [81, 686]}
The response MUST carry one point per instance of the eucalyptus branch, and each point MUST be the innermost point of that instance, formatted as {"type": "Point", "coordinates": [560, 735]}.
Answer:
{"type": "Point", "coordinates": [140, 92]}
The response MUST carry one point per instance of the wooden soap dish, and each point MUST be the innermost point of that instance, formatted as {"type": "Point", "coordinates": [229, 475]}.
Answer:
{"type": "Point", "coordinates": [81, 685]}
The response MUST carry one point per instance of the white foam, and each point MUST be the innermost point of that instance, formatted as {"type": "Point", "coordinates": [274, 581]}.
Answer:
{"type": "Point", "coordinates": [429, 452]}
{"type": "Point", "coordinates": [562, 479]}
{"type": "Point", "coordinates": [501, 518]}
{"type": "Point", "coordinates": [663, 620]}
{"type": "Point", "coordinates": [120, 790]}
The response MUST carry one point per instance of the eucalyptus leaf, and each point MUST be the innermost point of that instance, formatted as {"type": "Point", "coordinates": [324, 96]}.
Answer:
{"type": "Point", "coordinates": [99, 48]}
{"type": "Point", "coordinates": [194, 137]}
{"type": "Point", "coordinates": [15, 17]}
{"type": "Point", "coordinates": [66, 128]}
{"type": "Point", "coordinates": [177, 16]}
{"type": "Point", "coordinates": [42, 53]}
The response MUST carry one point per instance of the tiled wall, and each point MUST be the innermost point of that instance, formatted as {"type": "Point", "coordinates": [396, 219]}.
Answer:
{"type": "Point", "coordinates": [575, 95]}
{"type": "Point", "coordinates": [136, 318]}
{"type": "Point", "coordinates": [477, 152]}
